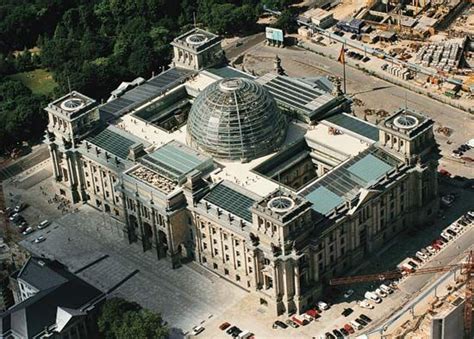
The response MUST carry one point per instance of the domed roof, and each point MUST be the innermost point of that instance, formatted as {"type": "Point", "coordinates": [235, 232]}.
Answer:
{"type": "Point", "coordinates": [236, 119]}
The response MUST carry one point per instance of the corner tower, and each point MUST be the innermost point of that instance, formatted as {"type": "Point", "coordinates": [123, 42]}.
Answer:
{"type": "Point", "coordinates": [197, 49]}
{"type": "Point", "coordinates": [71, 118]}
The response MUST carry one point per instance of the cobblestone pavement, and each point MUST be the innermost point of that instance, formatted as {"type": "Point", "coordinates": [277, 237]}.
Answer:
{"type": "Point", "coordinates": [185, 296]}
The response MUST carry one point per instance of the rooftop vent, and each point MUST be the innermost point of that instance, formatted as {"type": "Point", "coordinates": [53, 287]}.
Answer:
{"type": "Point", "coordinates": [281, 204]}
{"type": "Point", "coordinates": [405, 121]}
{"type": "Point", "coordinates": [72, 104]}
{"type": "Point", "coordinates": [196, 39]}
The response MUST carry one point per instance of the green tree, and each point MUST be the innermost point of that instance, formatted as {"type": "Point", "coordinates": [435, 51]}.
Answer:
{"type": "Point", "coordinates": [122, 319]}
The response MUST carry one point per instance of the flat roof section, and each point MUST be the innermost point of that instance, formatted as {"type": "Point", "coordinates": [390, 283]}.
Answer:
{"type": "Point", "coordinates": [177, 159]}
{"type": "Point", "coordinates": [152, 88]}
{"type": "Point", "coordinates": [296, 94]}
{"type": "Point", "coordinates": [353, 124]}
{"type": "Point", "coordinates": [370, 168]}
{"type": "Point", "coordinates": [114, 141]}
{"type": "Point", "coordinates": [345, 181]}
{"type": "Point", "coordinates": [230, 200]}
{"type": "Point", "coordinates": [324, 200]}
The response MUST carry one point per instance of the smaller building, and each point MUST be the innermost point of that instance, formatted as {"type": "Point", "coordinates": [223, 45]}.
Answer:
{"type": "Point", "coordinates": [352, 26]}
{"type": "Point", "coordinates": [450, 322]}
{"type": "Point", "coordinates": [319, 17]}
{"type": "Point", "coordinates": [51, 302]}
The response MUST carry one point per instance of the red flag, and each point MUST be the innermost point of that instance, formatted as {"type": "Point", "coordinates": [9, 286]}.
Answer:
{"type": "Point", "coordinates": [341, 57]}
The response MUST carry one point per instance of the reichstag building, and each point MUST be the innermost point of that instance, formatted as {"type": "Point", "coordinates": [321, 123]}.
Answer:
{"type": "Point", "coordinates": [268, 181]}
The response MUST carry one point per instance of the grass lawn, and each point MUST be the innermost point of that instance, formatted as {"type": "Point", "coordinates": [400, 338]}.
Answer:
{"type": "Point", "coordinates": [39, 81]}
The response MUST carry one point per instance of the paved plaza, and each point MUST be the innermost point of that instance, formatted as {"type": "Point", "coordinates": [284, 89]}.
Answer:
{"type": "Point", "coordinates": [185, 296]}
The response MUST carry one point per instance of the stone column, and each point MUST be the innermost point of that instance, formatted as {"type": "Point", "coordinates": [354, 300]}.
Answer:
{"type": "Point", "coordinates": [297, 280]}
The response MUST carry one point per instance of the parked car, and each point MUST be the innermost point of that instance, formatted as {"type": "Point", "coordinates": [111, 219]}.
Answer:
{"type": "Point", "coordinates": [450, 231]}
{"type": "Point", "coordinates": [431, 249]}
{"type": "Point", "coordinates": [348, 293]}
{"type": "Point", "coordinates": [40, 239]}
{"type": "Point", "coordinates": [425, 251]}
{"type": "Point", "coordinates": [292, 323]}
{"type": "Point", "coordinates": [349, 328]}
{"type": "Point", "coordinates": [418, 260]}
{"type": "Point", "coordinates": [355, 325]}
{"type": "Point", "coordinates": [446, 235]}
{"type": "Point", "coordinates": [380, 293]}
{"type": "Point", "coordinates": [197, 329]}
{"type": "Point", "coordinates": [361, 321]}
{"type": "Point", "coordinates": [28, 231]}
{"type": "Point", "coordinates": [365, 318]}
{"type": "Point", "coordinates": [233, 331]}
{"type": "Point", "coordinates": [224, 326]}
{"type": "Point", "coordinates": [301, 322]}
{"type": "Point", "coordinates": [455, 228]}
{"type": "Point", "coordinates": [421, 255]}
{"type": "Point", "coordinates": [312, 313]}
{"type": "Point", "coordinates": [347, 312]}
{"type": "Point", "coordinates": [329, 335]}
{"type": "Point", "coordinates": [372, 296]}
{"type": "Point", "coordinates": [20, 207]}
{"type": "Point", "coordinates": [365, 304]}
{"type": "Point", "coordinates": [412, 264]}
{"type": "Point", "coordinates": [337, 333]}
{"type": "Point", "coordinates": [14, 216]}
{"type": "Point", "coordinates": [386, 289]}
{"type": "Point", "coordinates": [323, 305]}
{"type": "Point", "coordinates": [344, 331]}
{"type": "Point", "coordinates": [307, 317]}
{"type": "Point", "coordinates": [43, 224]}
{"type": "Point", "coordinates": [280, 324]}
{"type": "Point", "coordinates": [245, 334]}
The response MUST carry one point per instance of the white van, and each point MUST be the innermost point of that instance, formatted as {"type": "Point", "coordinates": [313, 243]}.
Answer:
{"type": "Point", "coordinates": [43, 224]}
{"type": "Point", "coordinates": [355, 324]}
{"type": "Point", "coordinates": [372, 296]}
{"type": "Point", "coordinates": [245, 335]}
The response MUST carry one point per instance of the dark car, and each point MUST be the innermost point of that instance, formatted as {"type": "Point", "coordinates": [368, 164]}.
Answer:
{"type": "Point", "coordinates": [361, 322]}
{"type": "Point", "coordinates": [279, 323]}
{"type": "Point", "coordinates": [365, 318]}
{"type": "Point", "coordinates": [337, 334]}
{"type": "Point", "coordinates": [232, 330]}
{"type": "Point", "coordinates": [443, 239]}
{"type": "Point", "coordinates": [329, 336]}
{"type": "Point", "coordinates": [347, 311]}
{"type": "Point", "coordinates": [344, 331]}
{"type": "Point", "coordinates": [366, 59]}
{"type": "Point", "coordinates": [451, 232]}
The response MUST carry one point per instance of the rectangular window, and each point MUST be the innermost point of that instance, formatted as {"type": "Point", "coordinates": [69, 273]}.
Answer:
{"type": "Point", "coordinates": [226, 271]}
{"type": "Point", "coordinates": [238, 263]}
{"type": "Point", "coordinates": [227, 258]}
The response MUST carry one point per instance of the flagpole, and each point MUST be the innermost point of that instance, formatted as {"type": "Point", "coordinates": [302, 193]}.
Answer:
{"type": "Point", "coordinates": [344, 67]}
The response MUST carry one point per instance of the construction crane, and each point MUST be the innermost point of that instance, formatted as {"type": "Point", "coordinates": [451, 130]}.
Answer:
{"type": "Point", "coordinates": [467, 270]}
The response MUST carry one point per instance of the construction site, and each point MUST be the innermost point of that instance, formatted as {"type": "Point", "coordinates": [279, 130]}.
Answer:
{"type": "Point", "coordinates": [425, 41]}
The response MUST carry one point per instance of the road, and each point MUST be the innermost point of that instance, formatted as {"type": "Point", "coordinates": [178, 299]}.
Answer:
{"type": "Point", "coordinates": [232, 50]}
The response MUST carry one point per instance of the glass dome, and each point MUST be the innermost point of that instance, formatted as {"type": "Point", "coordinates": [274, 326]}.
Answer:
{"type": "Point", "coordinates": [236, 119]}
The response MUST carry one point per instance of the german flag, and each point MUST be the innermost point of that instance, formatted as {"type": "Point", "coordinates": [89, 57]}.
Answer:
{"type": "Point", "coordinates": [342, 58]}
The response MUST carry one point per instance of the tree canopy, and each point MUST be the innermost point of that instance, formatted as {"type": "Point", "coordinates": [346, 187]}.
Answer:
{"type": "Point", "coordinates": [120, 319]}
{"type": "Point", "coordinates": [94, 45]}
